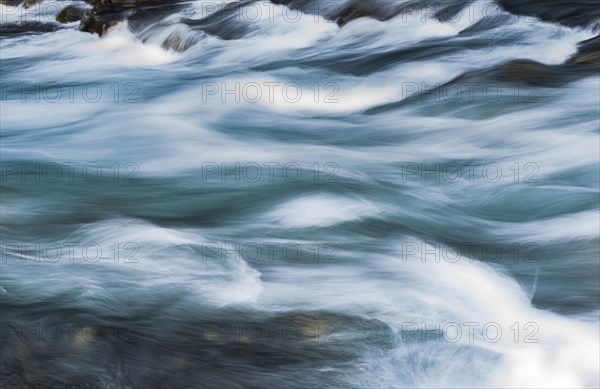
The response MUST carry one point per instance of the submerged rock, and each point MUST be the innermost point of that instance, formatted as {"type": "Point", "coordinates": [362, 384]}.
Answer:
{"type": "Point", "coordinates": [386, 10]}
{"type": "Point", "coordinates": [486, 23]}
{"type": "Point", "coordinates": [181, 351]}
{"type": "Point", "coordinates": [223, 23]}
{"type": "Point", "coordinates": [525, 72]}
{"type": "Point", "coordinates": [451, 11]}
{"type": "Point", "coordinates": [514, 81]}
{"type": "Point", "coordinates": [180, 41]}
{"type": "Point", "coordinates": [529, 72]}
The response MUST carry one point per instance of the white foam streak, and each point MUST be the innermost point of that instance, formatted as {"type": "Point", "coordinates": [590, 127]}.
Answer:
{"type": "Point", "coordinates": [320, 211]}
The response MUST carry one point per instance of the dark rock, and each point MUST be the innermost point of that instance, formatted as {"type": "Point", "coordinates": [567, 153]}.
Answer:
{"type": "Point", "coordinates": [11, 3]}
{"type": "Point", "coordinates": [26, 3]}
{"type": "Point", "coordinates": [31, 3]}
{"type": "Point", "coordinates": [529, 72]}
{"type": "Point", "coordinates": [525, 72]}
{"type": "Point", "coordinates": [380, 10]}
{"type": "Point", "coordinates": [588, 53]}
{"type": "Point", "coordinates": [180, 352]}
{"type": "Point", "coordinates": [328, 9]}
{"type": "Point", "coordinates": [103, 16]}
{"type": "Point", "coordinates": [568, 12]}
{"type": "Point", "coordinates": [143, 13]}
{"type": "Point", "coordinates": [100, 22]}
{"type": "Point", "coordinates": [361, 64]}
{"type": "Point", "coordinates": [70, 14]}
{"type": "Point", "coordinates": [16, 29]}
{"type": "Point", "coordinates": [521, 79]}
{"type": "Point", "coordinates": [596, 27]}
{"type": "Point", "coordinates": [153, 13]}
{"type": "Point", "coordinates": [224, 23]}
{"type": "Point", "coordinates": [383, 10]}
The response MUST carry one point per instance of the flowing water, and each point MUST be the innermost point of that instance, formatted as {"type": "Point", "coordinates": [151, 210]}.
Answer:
{"type": "Point", "coordinates": [405, 202]}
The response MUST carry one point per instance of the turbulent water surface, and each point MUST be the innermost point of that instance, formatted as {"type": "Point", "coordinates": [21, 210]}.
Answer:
{"type": "Point", "coordinates": [300, 194]}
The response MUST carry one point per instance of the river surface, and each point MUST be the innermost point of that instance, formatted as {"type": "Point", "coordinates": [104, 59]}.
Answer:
{"type": "Point", "coordinates": [399, 203]}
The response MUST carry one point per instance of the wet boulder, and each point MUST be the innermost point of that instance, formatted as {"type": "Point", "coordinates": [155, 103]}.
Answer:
{"type": "Point", "coordinates": [568, 12]}
{"type": "Point", "coordinates": [71, 13]}
{"type": "Point", "coordinates": [11, 3]}
{"type": "Point", "coordinates": [588, 53]}
{"type": "Point", "coordinates": [384, 10]}
{"type": "Point", "coordinates": [140, 14]}
{"type": "Point", "coordinates": [14, 3]}
{"type": "Point", "coordinates": [25, 28]}
{"type": "Point", "coordinates": [380, 10]}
